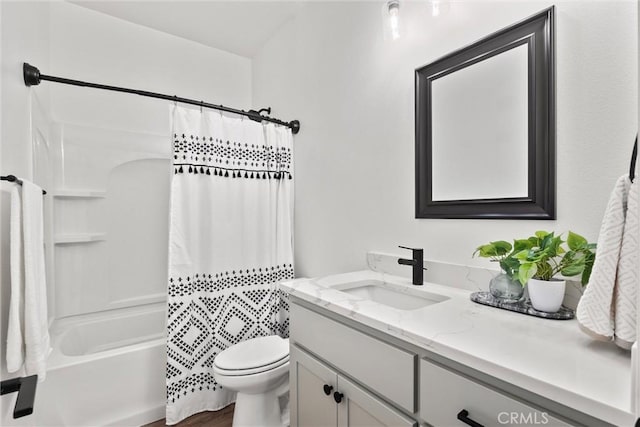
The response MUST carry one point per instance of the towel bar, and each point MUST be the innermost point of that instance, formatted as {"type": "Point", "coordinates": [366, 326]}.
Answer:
{"type": "Point", "coordinates": [13, 178]}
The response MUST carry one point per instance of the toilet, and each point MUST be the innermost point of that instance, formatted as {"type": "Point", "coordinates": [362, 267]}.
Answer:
{"type": "Point", "coordinates": [258, 370]}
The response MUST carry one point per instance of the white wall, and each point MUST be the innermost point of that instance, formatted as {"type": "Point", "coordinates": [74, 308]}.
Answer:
{"type": "Point", "coordinates": [353, 92]}
{"type": "Point", "coordinates": [91, 46]}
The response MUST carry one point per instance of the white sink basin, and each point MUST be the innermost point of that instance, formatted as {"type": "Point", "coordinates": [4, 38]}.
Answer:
{"type": "Point", "coordinates": [392, 295]}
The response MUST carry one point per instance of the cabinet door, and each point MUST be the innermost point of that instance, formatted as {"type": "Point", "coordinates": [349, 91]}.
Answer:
{"type": "Point", "coordinates": [358, 408]}
{"type": "Point", "coordinates": [309, 403]}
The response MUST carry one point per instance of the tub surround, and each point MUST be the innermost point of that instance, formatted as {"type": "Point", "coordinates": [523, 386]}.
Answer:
{"type": "Point", "coordinates": [548, 358]}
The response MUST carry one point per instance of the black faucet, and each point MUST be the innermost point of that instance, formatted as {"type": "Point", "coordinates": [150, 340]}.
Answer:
{"type": "Point", "coordinates": [417, 263]}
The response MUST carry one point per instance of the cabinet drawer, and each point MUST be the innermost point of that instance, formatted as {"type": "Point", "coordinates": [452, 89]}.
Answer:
{"type": "Point", "coordinates": [388, 370]}
{"type": "Point", "coordinates": [444, 394]}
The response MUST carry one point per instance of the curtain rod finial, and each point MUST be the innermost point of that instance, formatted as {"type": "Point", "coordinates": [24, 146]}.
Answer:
{"type": "Point", "coordinates": [30, 74]}
{"type": "Point", "coordinates": [295, 126]}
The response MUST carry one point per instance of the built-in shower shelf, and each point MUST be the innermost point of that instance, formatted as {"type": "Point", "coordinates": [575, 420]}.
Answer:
{"type": "Point", "coordinates": [64, 239]}
{"type": "Point", "coordinates": [87, 194]}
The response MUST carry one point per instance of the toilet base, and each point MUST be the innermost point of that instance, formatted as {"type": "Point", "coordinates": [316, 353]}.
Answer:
{"type": "Point", "coordinates": [258, 393]}
{"type": "Point", "coordinates": [257, 410]}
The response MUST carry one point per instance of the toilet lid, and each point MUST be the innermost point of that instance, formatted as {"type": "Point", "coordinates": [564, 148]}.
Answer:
{"type": "Point", "coordinates": [251, 371]}
{"type": "Point", "coordinates": [253, 353]}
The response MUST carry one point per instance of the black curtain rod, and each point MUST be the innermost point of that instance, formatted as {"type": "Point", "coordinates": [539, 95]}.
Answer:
{"type": "Point", "coordinates": [13, 178]}
{"type": "Point", "coordinates": [32, 77]}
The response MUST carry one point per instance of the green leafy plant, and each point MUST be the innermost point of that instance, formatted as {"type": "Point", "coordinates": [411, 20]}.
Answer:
{"type": "Point", "coordinates": [503, 253]}
{"type": "Point", "coordinates": [542, 256]}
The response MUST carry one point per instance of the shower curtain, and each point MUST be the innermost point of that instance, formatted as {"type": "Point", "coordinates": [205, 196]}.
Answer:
{"type": "Point", "coordinates": [230, 243]}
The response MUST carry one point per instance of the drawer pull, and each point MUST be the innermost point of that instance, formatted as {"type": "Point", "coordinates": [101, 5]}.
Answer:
{"type": "Point", "coordinates": [327, 389]}
{"type": "Point", "coordinates": [464, 417]}
{"type": "Point", "coordinates": [338, 397]}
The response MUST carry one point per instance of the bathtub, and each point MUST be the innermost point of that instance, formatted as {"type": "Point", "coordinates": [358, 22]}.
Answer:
{"type": "Point", "coordinates": [105, 369]}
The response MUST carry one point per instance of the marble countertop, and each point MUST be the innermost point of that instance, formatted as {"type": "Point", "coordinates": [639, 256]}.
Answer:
{"type": "Point", "coordinates": [548, 357]}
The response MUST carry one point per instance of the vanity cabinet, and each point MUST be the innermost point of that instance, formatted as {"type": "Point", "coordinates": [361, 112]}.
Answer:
{"type": "Point", "coordinates": [322, 397]}
{"type": "Point", "coordinates": [343, 376]}
{"type": "Point", "coordinates": [375, 364]}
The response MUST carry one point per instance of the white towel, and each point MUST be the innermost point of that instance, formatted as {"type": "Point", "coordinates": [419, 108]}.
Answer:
{"type": "Point", "coordinates": [595, 312]}
{"type": "Point", "coordinates": [15, 343]}
{"type": "Point", "coordinates": [625, 294]}
{"type": "Point", "coordinates": [28, 338]}
{"type": "Point", "coordinates": [607, 310]}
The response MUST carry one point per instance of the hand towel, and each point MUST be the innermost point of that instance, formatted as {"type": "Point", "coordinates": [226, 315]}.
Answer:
{"type": "Point", "coordinates": [595, 312]}
{"type": "Point", "coordinates": [625, 293]}
{"type": "Point", "coordinates": [28, 269]}
{"type": "Point", "coordinates": [15, 331]}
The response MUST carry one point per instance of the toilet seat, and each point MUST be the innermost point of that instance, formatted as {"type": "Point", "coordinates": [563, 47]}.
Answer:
{"type": "Point", "coordinates": [250, 371]}
{"type": "Point", "coordinates": [253, 356]}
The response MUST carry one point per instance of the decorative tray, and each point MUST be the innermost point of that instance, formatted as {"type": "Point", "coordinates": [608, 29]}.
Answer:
{"type": "Point", "coordinates": [524, 307]}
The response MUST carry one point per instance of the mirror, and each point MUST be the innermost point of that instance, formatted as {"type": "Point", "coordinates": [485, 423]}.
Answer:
{"type": "Point", "coordinates": [485, 127]}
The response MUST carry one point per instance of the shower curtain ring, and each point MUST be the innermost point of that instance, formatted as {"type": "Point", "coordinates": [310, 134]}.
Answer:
{"type": "Point", "coordinates": [175, 100]}
{"type": "Point", "coordinates": [201, 106]}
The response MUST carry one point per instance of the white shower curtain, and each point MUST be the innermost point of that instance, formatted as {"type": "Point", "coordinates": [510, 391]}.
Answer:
{"type": "Point", "coordinates": [230, 243]}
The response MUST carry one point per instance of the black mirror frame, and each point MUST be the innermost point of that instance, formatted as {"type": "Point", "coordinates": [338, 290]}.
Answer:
{"type": "Point", "coordinates": [538, 32]}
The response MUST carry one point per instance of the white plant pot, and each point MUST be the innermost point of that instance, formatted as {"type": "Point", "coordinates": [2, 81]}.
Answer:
{"type": "Point", "coordinates": [546, 295]}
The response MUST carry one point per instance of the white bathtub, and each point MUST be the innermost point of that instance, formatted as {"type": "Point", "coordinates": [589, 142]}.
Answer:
{"type": "Point", "coordinates": [113, 332]}
{"type": "Point", "coordinates": [105, 369]}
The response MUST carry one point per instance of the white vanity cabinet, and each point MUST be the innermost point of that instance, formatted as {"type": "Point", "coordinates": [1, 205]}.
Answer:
{"type": "Point", "coordinates": [388, 370]}
{"type": "Point", "coordinates": [345, 375]}
{"type": "Point", "coordinates": [321, 397]}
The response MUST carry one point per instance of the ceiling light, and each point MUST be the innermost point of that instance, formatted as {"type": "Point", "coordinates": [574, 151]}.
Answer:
{"type": "Point", "coordinates": [393, 7]}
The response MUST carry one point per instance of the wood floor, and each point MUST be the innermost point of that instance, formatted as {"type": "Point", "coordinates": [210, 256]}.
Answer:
{"type": "Point", "coordinates": [221, 418]}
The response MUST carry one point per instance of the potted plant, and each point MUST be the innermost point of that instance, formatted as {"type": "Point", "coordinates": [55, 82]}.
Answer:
{"type": "Point", "coordinates": [542, 257]}
{"type": "Point", "coordinates": [505, 286]}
